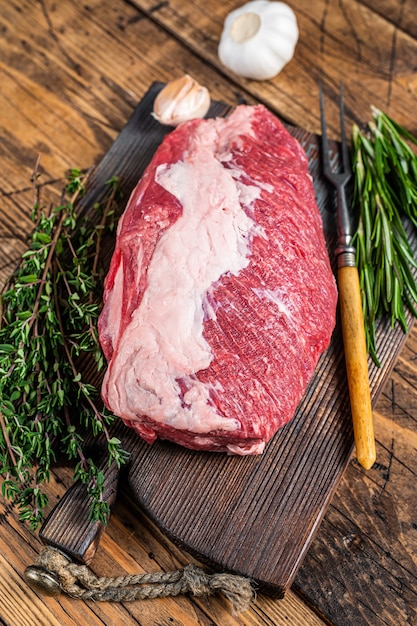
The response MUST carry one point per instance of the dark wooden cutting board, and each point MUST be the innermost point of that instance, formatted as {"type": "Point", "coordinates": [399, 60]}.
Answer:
{"type": "Point", "coordinates": [254, 516]}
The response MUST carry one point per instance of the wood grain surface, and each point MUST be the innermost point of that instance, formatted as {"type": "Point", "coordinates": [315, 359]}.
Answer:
{"type": "Point", "coordinates": [71, 74]}
{"type": "Point", "coordinates": [253, 516]}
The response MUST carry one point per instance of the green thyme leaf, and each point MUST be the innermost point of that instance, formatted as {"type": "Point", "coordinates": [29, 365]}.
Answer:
{"type": "Point", "coordinates": [49, 312]}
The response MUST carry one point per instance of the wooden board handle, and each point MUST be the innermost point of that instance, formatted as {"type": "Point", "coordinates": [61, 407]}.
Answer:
{"type": "Point", "coordinates": [356, 364]}
{"type": "Point", "coordinates": [68, 527]}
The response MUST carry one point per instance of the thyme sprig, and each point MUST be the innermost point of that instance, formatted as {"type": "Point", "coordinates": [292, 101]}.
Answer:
{"type": "Point", "coordinates": [48, 320]}
{"type": "Point", "coordinates": [385, 193]}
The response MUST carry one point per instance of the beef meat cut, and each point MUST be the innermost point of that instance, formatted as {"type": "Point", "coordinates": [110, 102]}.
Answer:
{"type": "Point", "coordinates": [220, 297]}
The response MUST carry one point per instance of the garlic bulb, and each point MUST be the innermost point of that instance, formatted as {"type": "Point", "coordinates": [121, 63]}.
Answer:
{"type": "Point", "coordinates": [180, 100]}
{"type": "Point", "coordinates": [258, 39]}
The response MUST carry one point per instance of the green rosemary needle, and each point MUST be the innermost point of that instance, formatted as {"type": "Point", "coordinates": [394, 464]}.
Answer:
{"type": "Point", "coordinates": [49, 310]}
{"type": "Point", "coordinates": [385, 192]}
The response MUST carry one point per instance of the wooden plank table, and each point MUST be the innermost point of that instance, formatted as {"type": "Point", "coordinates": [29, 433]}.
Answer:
{"type": "Point", "coordinates": [71, 73]}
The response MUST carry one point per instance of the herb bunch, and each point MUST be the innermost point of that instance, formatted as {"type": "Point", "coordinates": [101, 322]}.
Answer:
{"type": "Point", "coordinates": [48, 316]}
{"type": "Point", "coordinates": [385, 192]}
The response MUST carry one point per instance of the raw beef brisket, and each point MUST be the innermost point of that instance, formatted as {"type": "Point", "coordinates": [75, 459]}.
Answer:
{"type": "Point", "coordinates": [220, 297]}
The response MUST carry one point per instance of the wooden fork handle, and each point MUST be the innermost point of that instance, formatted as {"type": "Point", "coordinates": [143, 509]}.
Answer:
{"type": "Point", "coordinates": [356, 364]}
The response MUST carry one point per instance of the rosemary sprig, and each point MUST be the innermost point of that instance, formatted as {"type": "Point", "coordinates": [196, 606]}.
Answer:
{"type": "Point", "coordinates": [385, 192]}
{"type": "Point", "coordinates": [48, 315]}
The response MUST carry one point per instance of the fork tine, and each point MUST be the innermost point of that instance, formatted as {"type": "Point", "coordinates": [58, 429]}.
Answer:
{"type": "Point", "coordinates": [324, 140]}
{"type": "Point", "coordinates": [345, 151]}
{"type": "Point", "coordinates": [337, 178]}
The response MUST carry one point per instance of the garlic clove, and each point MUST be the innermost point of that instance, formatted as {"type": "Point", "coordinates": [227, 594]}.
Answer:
{"type": "Point", "coordinates": [180, 100]}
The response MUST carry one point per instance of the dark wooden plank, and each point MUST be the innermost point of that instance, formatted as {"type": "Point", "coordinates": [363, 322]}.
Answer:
{"type": "Point", "coordinates": [401, 14]}
{"type": "Point", "coordinates": [88, 64]}
{"type": "Point", "coordinates": [68, 527]}
{"type": "Point", "coordinates": [368, 560]}
{"type": "Point", "coordinates": [256, 516]}
{"type": "Point", "coordinates": [131, 544]}
{"type": "Point", "coordinates": [365, 548]}
{"type": "Point", "coordinates": [365, 44]}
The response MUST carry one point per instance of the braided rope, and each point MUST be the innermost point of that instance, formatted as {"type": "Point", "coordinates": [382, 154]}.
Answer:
{"type": "Point", "coordinates": [79, 582]}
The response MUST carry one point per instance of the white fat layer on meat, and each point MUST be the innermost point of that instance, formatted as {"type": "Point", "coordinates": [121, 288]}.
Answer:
{"type": "Point", "coordinates": [164, 341]}
{"type": "Point", "coordinates": [259, 184]}
{"type": "Point", "coordinates": [243, 450]}
{"type": "Point", "coordinates": [274, 296]}
{"type": "Point", "coordinates": [114, 309]}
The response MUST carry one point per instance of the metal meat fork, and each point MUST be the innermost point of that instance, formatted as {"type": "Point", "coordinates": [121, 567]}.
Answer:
{"type": "Point", "coordinates": [350, 300]}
